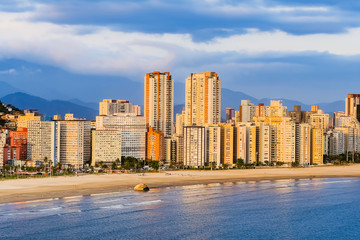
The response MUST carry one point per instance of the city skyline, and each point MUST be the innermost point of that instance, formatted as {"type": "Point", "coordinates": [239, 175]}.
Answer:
{"type": "Point", "coordinates": [259, 48]}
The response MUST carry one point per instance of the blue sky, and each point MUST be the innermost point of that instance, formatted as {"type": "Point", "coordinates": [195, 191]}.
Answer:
{"type": "Point", "coordinates": [303, 50]}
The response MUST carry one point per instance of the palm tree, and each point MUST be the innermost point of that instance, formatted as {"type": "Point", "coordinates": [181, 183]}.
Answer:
{"type": "Point", "coordinates": [46, 161]}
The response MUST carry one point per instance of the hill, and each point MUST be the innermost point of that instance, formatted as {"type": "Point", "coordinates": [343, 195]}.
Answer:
{"type": "Point", "coordinates": [49, 108]}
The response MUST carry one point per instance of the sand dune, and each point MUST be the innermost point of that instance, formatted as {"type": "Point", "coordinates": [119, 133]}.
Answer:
{"type": "Point", "coordinates": [57, 187]}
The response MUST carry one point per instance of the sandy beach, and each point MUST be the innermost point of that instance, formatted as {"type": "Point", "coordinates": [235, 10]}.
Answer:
{"type": "Point", "coordinates": [18, 190]}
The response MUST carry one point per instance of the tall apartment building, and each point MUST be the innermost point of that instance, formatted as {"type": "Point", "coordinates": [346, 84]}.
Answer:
{"type": "Point", "coordinates": [110, 107]}
{"type": "Point", "coordinates": [17, 148]}
{"type": "Point", "coordinates": [297, 115]}
{"type": "Point", "coordinates": [303, 144]}
{"type": "Point", "coordinates": [263, 135]}
{"type": "Point", "coordinates": [247, 111]}
{"type": "Point", "coordinates": [41, 141]}
{"type": "Point", "coordinates": [242, 141]}
{"type": "Point", "coordinates": [261, 110]}
{"type": "Point", "coordinates": [159, 102]}
{"type": "Point", "coordinates": [180, 123]}
{"type": "Point", "coordinates": [320, 120]}
{"type": "Point", "coordinates": [254, 142]}
{"type": "Point", "coordinates": [29, 116]}
{"type": "Point", "coordinates": [133, 132]}
{"type": "Point", "coordinates": [352, 106]}
{"type": "Point", "coordinates": [282, 138]}
{"type": "Point", "coordinates": [179, 144]}
{"type": "Point", "coordinates": [335, 142]}
{"type": "Point", "coordinates": [228, 144]}
{"type": "Point", "coordinates": [155, 145]}
{"type": "Point", "coordinates": [202, 99]}
{"type": "Point", "coordinates": [213, 138]}
{"type": "Point", "coordinates": [194, 146]}
{"type": "Point", "coordinates": [3, 140]}
{"type": "Point", "coordinates": [351, 138]}
{"type": "Point", "coordinates": [317, 145]}
{"type": "Point", "coordinates": [106, 146]}
{"type": "Point", "coordinates": [73, 141]}
{"type": "Point", "coordinates": [277, 109]}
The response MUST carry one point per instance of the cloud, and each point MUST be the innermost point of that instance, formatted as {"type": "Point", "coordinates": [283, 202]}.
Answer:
{"type": "Point", "coordinates": [102, 50]}
{"type": "Point", "coordinates": [9, 71]}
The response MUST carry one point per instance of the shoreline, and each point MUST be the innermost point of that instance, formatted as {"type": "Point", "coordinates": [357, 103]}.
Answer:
{"type": "Point", "coordinates": [30, 189]}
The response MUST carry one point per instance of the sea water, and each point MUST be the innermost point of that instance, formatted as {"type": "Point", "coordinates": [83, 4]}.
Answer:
{"type": "Point", "coordinates": [279, 209]}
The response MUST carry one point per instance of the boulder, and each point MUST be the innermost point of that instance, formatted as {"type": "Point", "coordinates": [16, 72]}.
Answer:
{"type": "Point", "coordinates": [141, 187]}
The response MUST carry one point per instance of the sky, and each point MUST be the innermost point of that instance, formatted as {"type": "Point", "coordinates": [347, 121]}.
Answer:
{"type": "Point", "coordinates": [302, 50]}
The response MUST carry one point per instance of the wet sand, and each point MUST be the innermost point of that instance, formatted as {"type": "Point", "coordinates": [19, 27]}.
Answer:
{"type": "Point", "coordinates": [18, 190]}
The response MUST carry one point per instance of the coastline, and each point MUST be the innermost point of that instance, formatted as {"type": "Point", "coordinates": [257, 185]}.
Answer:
{"type": "Point", "coordinates": [19, 190]}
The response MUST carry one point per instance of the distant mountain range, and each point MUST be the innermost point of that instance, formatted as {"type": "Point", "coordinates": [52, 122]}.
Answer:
{"type": "Point", "coordinates": [32, 85]}
{"type": "Point", "coordinates": [49, 108]}
{"type": "Point", "coordinates": [89, 110]}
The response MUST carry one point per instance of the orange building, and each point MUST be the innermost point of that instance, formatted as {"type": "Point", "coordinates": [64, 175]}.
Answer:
{"type": "Point", "coordinates": [155, 145]}
{"type": "Point", "coordinates": [17, 149]}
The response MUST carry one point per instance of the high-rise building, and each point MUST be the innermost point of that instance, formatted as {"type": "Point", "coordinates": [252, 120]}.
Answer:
{"type": "Point", "coordinates": [73, 140]}
{"type": "Point", "coordinates": [106, 146]}
{"type": "Point", "coordinates": [302, 143]}
{"type": "Point", "coordinates": [202, 99]}
{"type": "Point", "coordinates": [155, 145]}
{"type": "Point", "coordinates": [17, 147]}
{"type": "Point", "coordinates": [179, 151]}
{"type": "Point", "coordinates": [247, 111]}
{"type": "Point", "coordinates": [29, 116]}
{"type": "Point", "coordinates": [320, 120]}
{"type": "Point", "coordinates": [214, 153]}
{"type": "Point", "coordinates": [110, 107]}
{"type": "Point", "coordinates": [282, 137]}
{"type": "Point", "coordinates": [41, 141]}
{"type": "Point", "coordinates": [297, 115]}
{"type": "Point", "coordinates": [194, 146]}
{"type": "Point", "coordinates": [352, 106]}
{"type": "Point", "coordinates": [317, 146]}
{"type": "Point", "coordinates": [336, 142]}
{"type": "Point", "coordinates": [159, 102]}
{"type": "Point", "coordinates": [133, 132]}
{"type": "Point", "coordinates": [242, 141]}
{"type": "Point", "coordinates": [277, 109]}
{"type": "Point", "coordinates": [228, 144]}
{"type": "Point", "coordinates": [3, 140]}
{"type": "Point", "coordinates": [180, 123]}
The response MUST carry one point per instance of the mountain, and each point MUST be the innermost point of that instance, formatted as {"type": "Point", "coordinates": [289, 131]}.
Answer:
{"type": "Point", "coordinates": [87, 90]}
{"type": "Point", "coordinates": [6, 89]}
{"type": "Point", "coordinates": [49, 108]}
{"type": "Point", "coordinates": [92, 105]}
{"type": "Point", "coordinates": [54, 83]}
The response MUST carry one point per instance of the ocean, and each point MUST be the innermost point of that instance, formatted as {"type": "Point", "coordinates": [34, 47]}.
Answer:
{"type": "Point", "coordinates": [277, 209]}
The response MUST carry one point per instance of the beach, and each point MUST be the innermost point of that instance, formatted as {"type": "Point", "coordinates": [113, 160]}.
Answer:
{"type": "Point", "coordinates": [18, 190]}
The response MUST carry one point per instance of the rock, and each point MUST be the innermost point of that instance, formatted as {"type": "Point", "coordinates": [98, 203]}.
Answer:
{"type": "Point", "coordinates": [141, 187]}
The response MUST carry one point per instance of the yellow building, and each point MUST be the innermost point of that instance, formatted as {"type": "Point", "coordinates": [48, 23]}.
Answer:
{"type": "Point", "coordinates": [23, 120]}
{"type": "Point", "coordinates": [281, 138]}
{"type": "Point", "coordinates": [73, 142]}
{"type": "Point", "coordinates": [106, 146]}
{"type": "Point", "coordinates": [214, 153]}
{"type": "Point", "coordinates": [317, 146]}
{"type": "Point", "coordinates": [228, 143]}
{"type": "Point", "coordinates": [202, 99]}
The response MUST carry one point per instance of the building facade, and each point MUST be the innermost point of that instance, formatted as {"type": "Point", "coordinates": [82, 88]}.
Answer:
{"type": "Point", "coordinates": [159, 102]}
{"type": "Point", "coordinates": [202, 99]}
